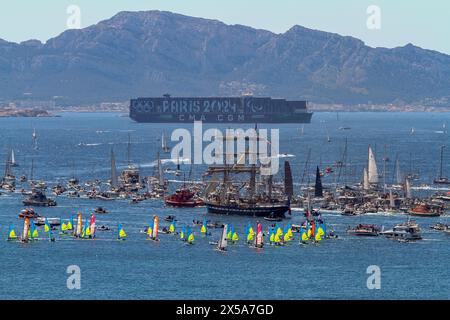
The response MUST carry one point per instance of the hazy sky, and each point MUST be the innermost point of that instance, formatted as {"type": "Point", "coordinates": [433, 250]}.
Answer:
{"type": "Point", "coordinates": [423, 23]}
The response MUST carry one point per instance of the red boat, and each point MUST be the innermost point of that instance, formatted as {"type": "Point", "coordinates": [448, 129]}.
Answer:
{"type": "Point", "coordinates": [28, 213]}
{"type": "Point", "coordinates": [424, 210]}
{"type": "Point", "coordinates": [183, 198]}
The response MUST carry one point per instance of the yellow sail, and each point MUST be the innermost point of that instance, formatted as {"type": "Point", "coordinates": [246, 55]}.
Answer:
{"type": "Point", "coordinates": [35, 234]}
{"type": "Point", "coordinates": [320, 232]}
{"type": "Point", "coordinates": [250, 231]}
{"type": "Point", "coordinates": [64, 227]}
{"type": "Point", "coordinates": [172, 228]}
{"type": "Point", "coordinates": [250, 237]}
{"type": "Point", "coordinates": [149, 231]}
{"type": "Point", "coordinates": [69, 226]}
{"type": "Point", "coordinates": [181, 235]}
{"type": "Point", "coordinates": [191, 238]}
{"type": "Point", "coordinates": [46, 228]}
{"type": "Point", "coordinates": [229, 235]}
{"type": "Point", "coordinates": [309, 232]}
{"type": "Point", "coordinates": [277, 238]}
{"type": "Point", "coordinates": [318, 237]}
{"type": "Point", "coordinates": [203, 229]}
{"type": "Point", "coordinates": [12, 234]}
{"type": "Point", "coordinates": [279, 232]}
{"type": "Point", "coordinates": [235, 237]}
{"type": "Point", "coordinates": [87, 232]}
{"type": "Point", "coordinates": [122, 234]}
{"type": "Point", "coordinates": [305, 237]}
{"type": "Point", "coordinates": [272, 237]}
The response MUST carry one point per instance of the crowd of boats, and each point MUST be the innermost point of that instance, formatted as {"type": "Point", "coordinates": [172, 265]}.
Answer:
{"type": "Point", "coordinates": [312, 231]}
{"type": "Point", "coordinates": [242, 189]}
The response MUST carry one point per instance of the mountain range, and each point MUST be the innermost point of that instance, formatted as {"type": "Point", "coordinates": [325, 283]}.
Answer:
{"type": "Point", "coordinates": [150, 53]}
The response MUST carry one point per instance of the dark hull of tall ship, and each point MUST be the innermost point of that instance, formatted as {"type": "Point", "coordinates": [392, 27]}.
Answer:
{"type": "Point", "coordinates": [250, 211]}
{"type": "Point", "coordinates": [219, 110]}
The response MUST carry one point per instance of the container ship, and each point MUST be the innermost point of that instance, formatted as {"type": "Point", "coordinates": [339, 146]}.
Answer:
{"type": "Point", "coordinates": [246, 109]}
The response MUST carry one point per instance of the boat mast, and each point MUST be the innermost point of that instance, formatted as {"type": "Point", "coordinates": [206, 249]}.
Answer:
{"type": "Point", "coordinates": [113, 170]}
{"type": "Point", "coordinates": [441, 176]}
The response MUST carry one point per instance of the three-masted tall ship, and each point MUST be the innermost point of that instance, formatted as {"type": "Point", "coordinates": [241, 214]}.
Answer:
{"type": "Point", "coordinates": [242, 189]}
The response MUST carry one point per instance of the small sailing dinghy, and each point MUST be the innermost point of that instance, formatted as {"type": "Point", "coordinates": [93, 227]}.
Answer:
{"type": "Point", "coordinates": [48, 231]}
{"type": "Point", "coordinates": [191, 237]}
{"type": "Point", "coordinates": [26, 231]}
{"type": "Point", "coordinates": [250, 234]}
{"type": "Point", "coordinates": [79, 228]}
{"type": "Point", "coordinates": [121, 235]}
{"type": "Point", "coordinates": [11, 233]}
{"type": "Point", "coordinates": [223, 242]}
{"type": "Point", "coordinates": [204, 228]}
{"type": "Point", "coordinates": [259, 239]}
{"type": "Point", "coordinates": [153, 230]}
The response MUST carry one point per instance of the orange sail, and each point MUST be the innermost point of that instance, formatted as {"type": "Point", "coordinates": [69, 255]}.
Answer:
{"type": "Point", "coordinates": [26, 229]}
{"type": "Point", "coordinates": [155, 227]}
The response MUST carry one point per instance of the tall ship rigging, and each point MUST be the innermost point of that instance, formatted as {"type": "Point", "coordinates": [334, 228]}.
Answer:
{"type": "Point", "coordinates": [254, 195]}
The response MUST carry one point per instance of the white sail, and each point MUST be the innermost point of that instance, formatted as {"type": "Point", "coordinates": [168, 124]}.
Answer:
{"type": "Point", "coordinates": [391, 199]}
{"type": "Point", "coordinates": [160, 172]}
{"type": "Point", "coordinates": [223, 243]}
{"type": "Point", "coordinates": [13, 158]}
{"type": "Point", "coordinates": [163, 142]}
{"type": "Point", "coordinates": [398, 173]}
{"type": "Point", "coordinates": [366, 185]}
{"type": "Point", "coordinates": [372, 168]}
{"type": "Point", "coordinates": [408, 189]}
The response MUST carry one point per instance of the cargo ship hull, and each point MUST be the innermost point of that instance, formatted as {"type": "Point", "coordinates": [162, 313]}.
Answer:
{"type": "Point", "coordinates": [219, 110]}
{"type": "Point", "coordinates": [256, 211]}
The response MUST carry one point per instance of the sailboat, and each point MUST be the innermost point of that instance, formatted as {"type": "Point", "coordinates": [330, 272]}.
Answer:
{"type": "Point", "coordinates": [223, 242]}
{"type": "Point", "coordinates": [191, 237]}
{"type": "Point", "coordinates": [114, 181]}
{"type": "Point", "coordinates": [372, 168]}
{"type": "Point", "coordinates": [318, 189]}
{"type": "Point", "coordinates": [304, 237]}
{"type": "Point", "coordinates": [204, 228]}
{"type": "Point", "coordinates": [259, 239]}
{"type": "Point", "coordinates": [12, 159]}
{"type": "Point", "coordinates": [153, 229]}
{"type": "Point", "coordinates": [26, 230]}
{"type": "Point", "coordinates": [399, 179]}
{"type": "Point", "coordinates": [250, 234]}
{"type": "Point", "coordinates": [33, 233]}
{"type": "Point", "coordinates": [79, 228]}
{"type": "Point", "coordinates": [11, 233]}
{"type": "Point", "coordinates": [172, 227]}
{"type": "Point", "coordinates": [34, 137]}
{"type": "Point", "coordinates": [48, 230]}
{"type": "Point", "coordinates": [121, 235]}
{"type": "Point", "coordinates": [441, 179]}
{"type": "Point", "coordinates": [164, 145]}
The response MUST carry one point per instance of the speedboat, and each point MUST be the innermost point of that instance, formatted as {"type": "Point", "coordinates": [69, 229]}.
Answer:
{"type": "Point", "coordinates": [368, 230]}
{"type": "Point", "coordinates": [40, 221]}
{"type": "Point", "coordinates": [408, 231]}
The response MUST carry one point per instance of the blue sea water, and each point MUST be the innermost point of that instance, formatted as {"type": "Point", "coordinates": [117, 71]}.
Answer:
{"type": "Point", "coordinates": [79, 145]}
